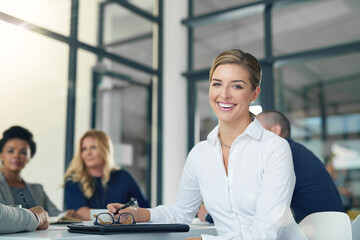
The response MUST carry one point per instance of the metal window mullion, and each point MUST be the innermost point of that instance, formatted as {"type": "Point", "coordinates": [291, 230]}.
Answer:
{"type": "Point", "coordinates": [71, 94]}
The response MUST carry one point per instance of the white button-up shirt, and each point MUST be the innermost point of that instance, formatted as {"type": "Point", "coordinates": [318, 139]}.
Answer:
{"type": "Point", "coordinates": [252, 201]}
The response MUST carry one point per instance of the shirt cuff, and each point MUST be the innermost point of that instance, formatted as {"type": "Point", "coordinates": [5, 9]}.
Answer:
{"type": "Point", "coordinates": [37, 217]}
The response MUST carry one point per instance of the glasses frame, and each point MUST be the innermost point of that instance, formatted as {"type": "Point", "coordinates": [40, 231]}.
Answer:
{"type": "Point", "coordinates": [114, 222]}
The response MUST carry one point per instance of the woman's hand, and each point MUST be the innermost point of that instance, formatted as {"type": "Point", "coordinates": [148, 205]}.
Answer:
{"type": "Point", "coordinates": [195, 238]}
{"type": "Point", "coordinates": [43, 217]}
{"type": "Point", "coordinates": [202, 213]}
{"type": "Point", "coordinates": [140, 214]}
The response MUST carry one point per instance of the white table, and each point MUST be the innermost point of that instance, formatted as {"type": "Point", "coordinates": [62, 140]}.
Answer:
{"type": "Point", "coordinates": [59, 232]}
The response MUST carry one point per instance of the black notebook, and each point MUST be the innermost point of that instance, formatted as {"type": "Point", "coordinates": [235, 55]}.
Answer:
{"type": "Point", "coordinates": [131, 228]}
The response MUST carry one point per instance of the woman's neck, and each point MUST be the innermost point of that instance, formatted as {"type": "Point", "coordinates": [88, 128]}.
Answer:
{"type": "Point", "coordinates": [13, 178]}
{"type": "Point", "coordinates": [96, 171]}
{"type": "Point", "coordinates": [230, 131]}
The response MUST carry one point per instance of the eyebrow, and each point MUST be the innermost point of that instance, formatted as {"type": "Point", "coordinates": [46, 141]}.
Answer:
{"type": "Point", "coordinates": [233, 81]}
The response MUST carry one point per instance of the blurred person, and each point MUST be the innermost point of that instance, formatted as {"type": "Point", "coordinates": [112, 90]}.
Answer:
{"type": "Point", "coordinates": [314, 189]}
{"type": "Point", "coordinates": [17, 147]}
{"type": "Point", "coordinates": [339, 178]}
{"type": "Point", "coordinates": [242, 172]}
{"type": "Point", "coordinates": [14, 219]}
{"type": "Point", "coordinates": [92, 181]}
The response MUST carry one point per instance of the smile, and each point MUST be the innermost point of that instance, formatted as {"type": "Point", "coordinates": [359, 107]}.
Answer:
{"type": "Point", "coordinates": [226, 106]}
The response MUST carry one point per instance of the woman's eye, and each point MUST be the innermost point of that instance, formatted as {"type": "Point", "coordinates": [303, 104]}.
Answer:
{"type": "Point", "coordinates": [83, 149]}
{"type": "Point", "coordinates": [10, 151]}
{"type": "Point", "coordinates": [237, 87]}
{"type": "Point", "coordinates": [216, 84]}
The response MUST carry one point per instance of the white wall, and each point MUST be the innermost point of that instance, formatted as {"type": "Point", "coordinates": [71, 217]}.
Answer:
{"type": "Point", "coordinates": [174, 98]}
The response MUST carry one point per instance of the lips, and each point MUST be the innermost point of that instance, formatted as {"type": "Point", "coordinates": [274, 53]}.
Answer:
{"type": "Point", "coordinates": [226, 106]}
{"type": "Point", "coordinates": [16, 163]}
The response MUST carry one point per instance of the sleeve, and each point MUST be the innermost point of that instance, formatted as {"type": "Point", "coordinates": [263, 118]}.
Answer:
{"type": "Point", "coordinates": [16, 220]}
{"type": "Point", "coordinates": [188, 198]}
{"type": "Point", "coordinates": [49, 206]}
{"type": "Point", "coordinates": [137, 193]}
{"type": "Point", "coordinates": [273, 204]}
{"type": "Point", "coordinates": [74, 197]}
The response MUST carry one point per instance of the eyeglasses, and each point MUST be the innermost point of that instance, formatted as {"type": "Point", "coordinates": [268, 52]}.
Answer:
{"type": "Point", "coordinates": [109, 219]}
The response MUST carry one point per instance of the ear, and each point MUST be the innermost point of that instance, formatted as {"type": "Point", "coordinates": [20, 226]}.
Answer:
{"type": "Point", "coordinates": [276, 129]}
{"type": "Point", "coordinates": [256, 93]}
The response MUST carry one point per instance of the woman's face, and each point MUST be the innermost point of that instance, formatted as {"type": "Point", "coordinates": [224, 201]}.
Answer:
{"type": "Point", "coordinates": [90, 153]}
{"type": "Point", "coordinates": [15, 155]}
{"type": "Point", "coordinates": [231, 92]}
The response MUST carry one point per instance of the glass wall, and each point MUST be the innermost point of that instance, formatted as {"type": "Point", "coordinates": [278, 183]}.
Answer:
{"type": "Point", "coordinates": [314, 24]}
{"type": "Point", "coordinates": [63, 62]}
{"type": "Point", "coordinates": [206, 6]}
{"type": "Point", "coordinates": [128, 34]}
{"type": "Point", "coordinates": [210, 40]}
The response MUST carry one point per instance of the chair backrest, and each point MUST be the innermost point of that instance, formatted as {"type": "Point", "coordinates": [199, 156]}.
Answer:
{"type": "Point", "coordinates": [355, 226]}
{"type": "Point", "coordinates": [327, 226]}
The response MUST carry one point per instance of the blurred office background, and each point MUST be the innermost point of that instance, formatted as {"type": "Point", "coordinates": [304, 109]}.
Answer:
{"type": "Point", "coordinates": [138, 70]}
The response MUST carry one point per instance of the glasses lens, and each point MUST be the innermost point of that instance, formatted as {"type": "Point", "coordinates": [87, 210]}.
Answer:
{"type": "Point", "coordinates": [105, 219]}
{"type": "Point", "coordinates": [126, 218]}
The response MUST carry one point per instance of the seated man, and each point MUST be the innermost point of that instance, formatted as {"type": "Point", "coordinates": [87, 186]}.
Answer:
{"type": "Point", "coordinates": [314, 190]}
{"type": "Point", "coordinates": [19, 219]}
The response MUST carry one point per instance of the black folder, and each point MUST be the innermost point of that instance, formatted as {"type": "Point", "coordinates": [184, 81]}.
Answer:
{"type": "Point", "coordinates": [130, 228]}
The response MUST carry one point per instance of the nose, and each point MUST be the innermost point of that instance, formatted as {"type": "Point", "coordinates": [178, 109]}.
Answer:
{"type": "Point", "coordinates": [16, 154]}
{"type": "Point", "coordinates": [225, 92]}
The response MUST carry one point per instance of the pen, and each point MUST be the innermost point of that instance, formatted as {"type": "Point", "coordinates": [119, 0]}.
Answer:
{"type": "Point", "coordinates": [128, 204]}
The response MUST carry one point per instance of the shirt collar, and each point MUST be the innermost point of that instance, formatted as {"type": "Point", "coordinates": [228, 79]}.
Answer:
{"type": "Point", "coordinates": [254, 130]}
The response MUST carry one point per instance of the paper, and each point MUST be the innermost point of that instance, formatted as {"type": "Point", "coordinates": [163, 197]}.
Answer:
{"type": "Point", "coordinates": [61, 218]}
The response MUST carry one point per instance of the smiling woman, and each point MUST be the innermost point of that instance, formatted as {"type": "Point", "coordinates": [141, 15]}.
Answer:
{"type": "Point", "coordinates": [242, 172]}
{"type": "Point", "coordinates": [17, 147]}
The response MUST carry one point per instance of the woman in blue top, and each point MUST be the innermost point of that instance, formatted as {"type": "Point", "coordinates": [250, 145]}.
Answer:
{"type": "Point", "coordinates": [92, 181]}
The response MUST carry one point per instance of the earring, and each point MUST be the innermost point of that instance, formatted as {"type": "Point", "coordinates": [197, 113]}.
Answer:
{"type": "Point", "coordinates": [252, 101]}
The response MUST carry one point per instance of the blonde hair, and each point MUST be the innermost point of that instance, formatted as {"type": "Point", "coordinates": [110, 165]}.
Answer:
{"type": "Point", "coordinates": [238, 57]}
{"type": "Point", "coordinates": [77, 171]}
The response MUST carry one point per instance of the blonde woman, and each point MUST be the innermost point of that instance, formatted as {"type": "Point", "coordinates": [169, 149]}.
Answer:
{"type": "Point", "coordinates": [243, 173]}
{"type": "Point", "coordinates": [92, 181]}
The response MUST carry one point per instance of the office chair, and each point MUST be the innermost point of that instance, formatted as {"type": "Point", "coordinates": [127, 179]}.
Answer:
{"type": "Point", "coordinates": [327, 226]}
{"type": "Point", "coordinates": [355, 227]}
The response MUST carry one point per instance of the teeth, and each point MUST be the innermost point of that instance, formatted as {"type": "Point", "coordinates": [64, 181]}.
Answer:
{"type": "Point", "coordinates": [226, 105]}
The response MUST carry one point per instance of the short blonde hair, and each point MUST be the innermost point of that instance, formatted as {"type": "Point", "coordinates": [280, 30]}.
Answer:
{"type": "Point", "coordinates": [238, 57]}
{"type": "Point", "coordinates": [77, 171]}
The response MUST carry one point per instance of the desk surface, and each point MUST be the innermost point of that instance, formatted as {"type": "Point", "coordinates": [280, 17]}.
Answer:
{"type": "Point", "coordinates": [59, 232]}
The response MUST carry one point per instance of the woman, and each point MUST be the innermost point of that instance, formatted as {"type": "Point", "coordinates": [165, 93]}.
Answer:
{"type": "Point", "coordinates": [91, 180]}
{"type": "Point", "coordinates": [242, 172]}
{"type": "Point", "coordinates": [17, 147]}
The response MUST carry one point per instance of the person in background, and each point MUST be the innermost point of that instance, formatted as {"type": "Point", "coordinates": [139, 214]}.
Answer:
{"type": "Point", "coordinates": [17, 147]}
{"type": "Point", "coordinates": [314, 190]}
{"type": "Point", "coordinates": [13, 219]}
{"type": "Point", "coordinates": [339, 178]}
{"type": "Point", "coordinates": [242, 172]}
{"type": "Point", "coordinates": [92, 181]}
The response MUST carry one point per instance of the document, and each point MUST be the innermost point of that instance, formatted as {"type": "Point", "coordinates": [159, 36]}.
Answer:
{"type": "Point", "coordinates": [61, 218]}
